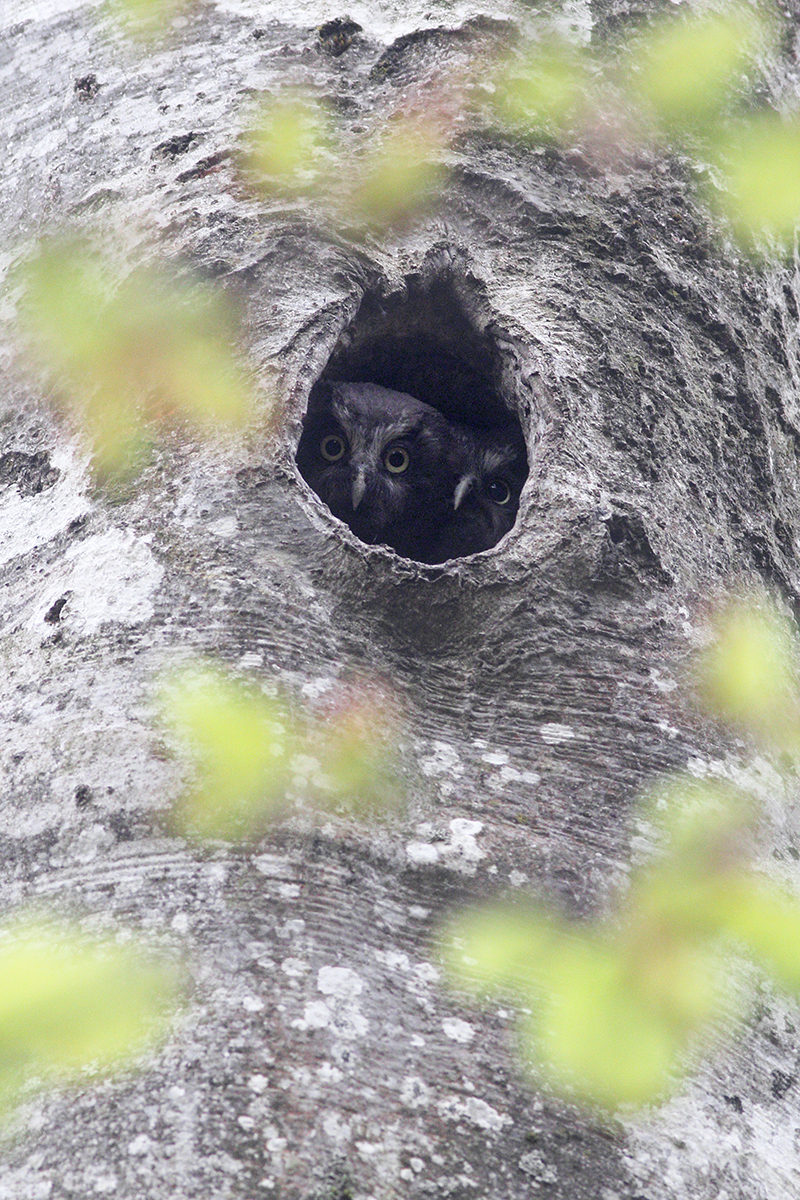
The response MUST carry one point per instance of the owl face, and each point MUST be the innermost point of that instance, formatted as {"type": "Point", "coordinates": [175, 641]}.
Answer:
{"type": "Point", "coordinates": [486, 495]}
{"type": "Point", "coordinates": [385, 463]}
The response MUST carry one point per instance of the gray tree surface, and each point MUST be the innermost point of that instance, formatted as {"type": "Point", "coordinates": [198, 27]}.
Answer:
{"type": "Point", "coordinates": [543, 684]}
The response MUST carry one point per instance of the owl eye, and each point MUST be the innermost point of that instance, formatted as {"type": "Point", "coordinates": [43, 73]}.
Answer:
{"type": "Point", "coordinates": [396, 460]}
{"type": "Point", "coordinates": [332, 448]}
{"type": "Point", "coordinates": [499, 491]}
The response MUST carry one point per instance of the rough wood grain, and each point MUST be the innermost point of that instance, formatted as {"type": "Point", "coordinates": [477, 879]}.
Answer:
{"type": "Point", "coordinates": [542, 683]}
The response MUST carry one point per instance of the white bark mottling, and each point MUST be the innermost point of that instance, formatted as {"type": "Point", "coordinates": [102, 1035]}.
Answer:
{"type": "Point", "coordinates": [655, 374]}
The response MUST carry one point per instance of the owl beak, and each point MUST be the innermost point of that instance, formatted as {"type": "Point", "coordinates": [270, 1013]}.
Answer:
{"type": "Point", "coordinates": [463, 486]}
{"type": "Point", "coordinates": [359, 487]}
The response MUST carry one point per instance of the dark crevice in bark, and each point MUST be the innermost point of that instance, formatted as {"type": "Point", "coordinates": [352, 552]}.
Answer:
{"type": "Point", "coordinates": [424, 340]}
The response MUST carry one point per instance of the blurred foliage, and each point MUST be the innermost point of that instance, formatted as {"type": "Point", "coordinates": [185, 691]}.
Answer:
{"type": "Point", "coordinates": [294, 149]}
{"type": "Point", "coordinates": [699, 79]}
{"type": "Point", "coordinates": [399, 174]}
{"type": "Point", "coordinates": [147, 19]}
{"type": "Point", "coordinates": [71, 1004]}
{"type": "Point", "coordinates": [127, 355]}
{"type": "Point", "coordinates": [750, 676]}
{"type": "Point", "coordinates": [290, 145]}
{"type": "Point", "coordinates": [761, 161]}
{"type": "Point", "coordinates": [546, 91]}
{"type": "Point", "coordinates": [253, 753]}
{"type": "Point", "coordinates": [691, 81]}
{"type": "Point", "coordinates": [619, 1009]}
{"type": "Point", "coordinates": [242, 745]}
{"type": "Point", "coordinates": [354, 736]}
{"type": "Point", "coordinates": [686, 71]}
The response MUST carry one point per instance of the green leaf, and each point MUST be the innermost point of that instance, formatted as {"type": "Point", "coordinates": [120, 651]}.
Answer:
{"type": "Point", "coordinates": [766, 922]}
{"type": "Point", "coordinates": [146, 19]}
{"type": "Point", "coordinates": [749, 674]}
{"type": "Point", "coordinates": [687, 69]}
{"type": "Point", "coordinates": [129, 354]}
{"type": "Point", "coordinates": [545, 91]}
{"type": "Point", "coordinates": [762, 165]}
{"type": "Point", "coordinates": [242, 745]}
{"type": "Point", "coordinates": [68, 1002]}
{"type": "Point", "coordinates": [398, 176]}
{"type": "Point", "coordinates": [594, 1036]}
{"type": "Point", "coordinates": [617, 1017]}
{"type": "Point", "coordinates": [289, 144]}
{"type": "Point", "coordinates": [700, 826]}
{"type": "Point", "coordinates": [251, 752]}
{"type": "Point", "coordinates": [500, 947]}
{"type": "Point", "coordinates": [356, 746]}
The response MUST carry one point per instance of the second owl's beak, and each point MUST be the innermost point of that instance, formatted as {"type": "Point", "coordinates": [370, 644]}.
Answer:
{"type": "Point", "coordinates": [359, 487]}
{"type": "Point", "coordinates": [462, 487]}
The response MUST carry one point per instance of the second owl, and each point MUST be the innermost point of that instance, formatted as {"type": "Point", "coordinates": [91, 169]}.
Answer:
{"type": "Point", "coordinates": [493, 469]}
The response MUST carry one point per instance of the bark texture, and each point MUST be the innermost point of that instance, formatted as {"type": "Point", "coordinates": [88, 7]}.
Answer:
{"type": "Point", "coordinates": [655, 374]}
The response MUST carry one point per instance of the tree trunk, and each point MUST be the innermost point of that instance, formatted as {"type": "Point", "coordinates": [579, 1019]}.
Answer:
{"type": "Point", "coordinates": [543, 684]}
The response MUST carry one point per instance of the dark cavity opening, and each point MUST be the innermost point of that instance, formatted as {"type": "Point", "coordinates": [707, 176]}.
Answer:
{"type": "Point", "coordinates": [407, 437]}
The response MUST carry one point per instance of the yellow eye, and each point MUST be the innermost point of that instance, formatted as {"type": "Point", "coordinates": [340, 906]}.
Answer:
{"type": "Point", "coordinates": [332, 448]}
{"type": "Point", "coordinates": [499, 491]}
{"type": "Point", "coordinates": [396, 460]}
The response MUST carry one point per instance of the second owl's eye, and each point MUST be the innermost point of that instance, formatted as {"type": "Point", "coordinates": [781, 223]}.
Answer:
{"type": "Point", "coordinates": [396, 460]}
{"type": "Point", "coordinates": [499, 491]}
{"type": "Point", "coordinates": [332, 448]}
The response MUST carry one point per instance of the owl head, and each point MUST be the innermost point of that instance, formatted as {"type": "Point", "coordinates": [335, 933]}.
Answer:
{"type": "Point", "coordinates": [383, 462]}
{"type": "Point", "coordinates": [486, 496]}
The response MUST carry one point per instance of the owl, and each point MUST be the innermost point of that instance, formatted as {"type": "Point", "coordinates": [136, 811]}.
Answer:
{"type": "Point", "coordinates": [384, 463]}
{"type": "Point", "coordinates": [486, 496]}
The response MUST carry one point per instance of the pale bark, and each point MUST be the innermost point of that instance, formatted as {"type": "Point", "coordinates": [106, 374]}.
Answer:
{"type": "Point", "coordinates": [542, 683]}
